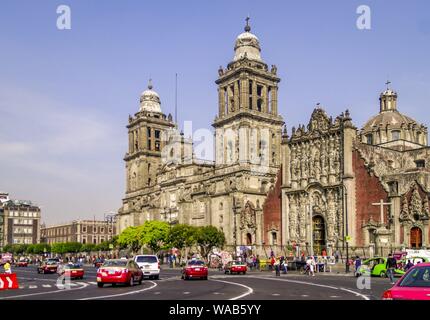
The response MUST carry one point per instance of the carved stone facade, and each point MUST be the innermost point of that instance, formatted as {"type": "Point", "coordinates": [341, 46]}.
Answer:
{"type": "Point", "coordinates": [333, 173]}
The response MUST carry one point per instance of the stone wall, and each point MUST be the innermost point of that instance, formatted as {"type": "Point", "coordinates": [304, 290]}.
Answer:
{"type": "Point", "coordinates": [368, 190]}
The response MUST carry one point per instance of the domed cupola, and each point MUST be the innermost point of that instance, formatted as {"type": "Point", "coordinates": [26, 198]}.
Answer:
{"type": "Point", "coordinates": [150, 100]}
{"type": "Point", "coordinates": [392, 128]}
{"type": "Point", "coordinates": [247, 45]}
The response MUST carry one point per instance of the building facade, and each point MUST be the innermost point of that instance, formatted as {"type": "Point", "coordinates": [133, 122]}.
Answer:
{"type": "Point", "coordinates": [368, 187]}
{"type": "Point", "coordinates": [19, 221]}
{"type": "Point", "coordinates": [82, 231]}
{"type": "Point", "coordinates": [327, 186]}
{"type": "Point", "coordinates": [166, 182]}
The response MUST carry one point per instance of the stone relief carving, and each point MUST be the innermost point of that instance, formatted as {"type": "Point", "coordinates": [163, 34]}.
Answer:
{"type": "Point", "coordinates": [248, 217]}
{"type": "Point", "coordinates": [293, 217]}
{"type": "Point", "coordinates": [302, 216]}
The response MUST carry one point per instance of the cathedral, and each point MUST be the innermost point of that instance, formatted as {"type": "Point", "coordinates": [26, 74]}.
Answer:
{"type": "Point", "coordinates": [327, 185]}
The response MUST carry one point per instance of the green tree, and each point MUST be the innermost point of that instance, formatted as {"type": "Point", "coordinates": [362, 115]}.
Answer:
{"type": "Point", "coordinates": [182, 236]}
{"type": "Point", "coordinates": [88, 247]}
{"type": "Point", "coordinates": [130, 238]}
{"type": "Point", "coordinates": [103, 246]}
{"type": "Point", "coordinates": [58, 248]}
{"type": "Point", "coordinates": [209, 237]}
{"type": "Point", "coordinates": [154, 234]}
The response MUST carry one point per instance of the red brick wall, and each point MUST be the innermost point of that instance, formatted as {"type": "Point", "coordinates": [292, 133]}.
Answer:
{"type": "Point", "coordinates": [272, 210]}
{"type": "Point", "coordinates": [368, 190]}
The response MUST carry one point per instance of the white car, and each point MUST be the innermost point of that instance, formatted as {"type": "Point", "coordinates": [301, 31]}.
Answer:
{"type": "Point", "coordinates": [149, 264]}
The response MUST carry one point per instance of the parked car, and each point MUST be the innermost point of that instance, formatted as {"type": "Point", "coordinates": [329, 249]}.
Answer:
{"type": "Point", "coordinates": [235, 267]}
{"type": "Point", "coordinates": [376, 267]}
{"type": "Point", "coordinates": [47, 267]}
{"type": "Point", "coordinates": [195, 269]}
{"type": "Point", "coordinates": [72, 271]}
{"type": "Point", "coordinates": [119, 271]}
{"type": "Point", "coordinates": [414, 285]}
{"type": "Point", "coordinates": [149, 264]}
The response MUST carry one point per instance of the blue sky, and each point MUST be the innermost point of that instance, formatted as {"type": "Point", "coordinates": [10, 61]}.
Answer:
{"type": "Point", "coordinates": [65, 96]}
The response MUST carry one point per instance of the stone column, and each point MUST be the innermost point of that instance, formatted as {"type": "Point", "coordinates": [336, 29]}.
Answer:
{"type": "Point", "coordinates": [236, 95]}
{"type": "Point", "coordinates": [244, 84]}
{"type": "Point", "coordinates": [254, 95]}
{"type": "Point", "coordinates": [274, 107]}
{"type": "Point", "coordinates": [221, 101]}
{"type": "Point", "coordinates": [265, 99]}
{"type": "Point", "coordinates": [130, 142]}
{"type": "Point", "coordinates": [395, 210]}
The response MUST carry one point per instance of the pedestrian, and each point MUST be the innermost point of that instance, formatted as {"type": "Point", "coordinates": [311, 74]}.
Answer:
{"type": "Point", "coordinates": [357, 264]}
{"type": "Point", "coordinates": [336, 256]}
{"type": "Point", "coordinates": [409, 265]}
{"type": "Point", "coordinates": [7, 267]}
{"type": "Point", "coordinates": [257, 262]}
{"type": "Point", "coordinates": [277, 265]}
{"type": "Point", "coordinates": [311, 266]}
{"type": "Point", "coordinates": [390, 266]}
{"type": "Point", "coordinates": [285, 266]}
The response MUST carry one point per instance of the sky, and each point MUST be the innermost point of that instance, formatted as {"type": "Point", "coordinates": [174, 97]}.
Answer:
{"type": "Point", "coordinates": [65, 95]}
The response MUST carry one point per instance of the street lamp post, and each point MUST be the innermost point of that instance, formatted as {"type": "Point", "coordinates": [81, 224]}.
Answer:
{"type": "Point", "coordinates": [346, 227]}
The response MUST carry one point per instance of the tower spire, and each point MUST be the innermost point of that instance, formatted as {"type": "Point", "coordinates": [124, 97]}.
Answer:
{"type": "Point", "coordinates": [247, 27]}
{"type": "Point", "coordinates": [388, 83]}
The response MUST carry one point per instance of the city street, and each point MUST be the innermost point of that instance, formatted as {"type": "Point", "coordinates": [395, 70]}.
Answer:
{"type": "Point", "coordinates": [253, 286]}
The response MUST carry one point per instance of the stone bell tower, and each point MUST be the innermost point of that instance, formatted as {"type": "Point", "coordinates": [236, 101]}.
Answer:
{"type": "Point", "coordinates": [146, 132]}
{"type": "Point", "coordinates": [248, 126]}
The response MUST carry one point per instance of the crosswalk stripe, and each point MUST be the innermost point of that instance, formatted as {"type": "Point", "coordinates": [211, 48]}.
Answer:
{"type": "Point", "coordinates": [92, 283]}
{"type": "Point", "coordinates": [46, 285]}
{"type": "Point", "coordinates": [32, 287]}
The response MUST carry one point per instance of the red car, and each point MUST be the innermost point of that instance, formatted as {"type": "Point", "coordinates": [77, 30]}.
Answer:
{"type": "Point", "coordinates": [72, 271]}
{"type": "Point", "coordinates": [195, 269]}
{"type": "Point", "coordinates": [235, 267]}
{"type": "Point", "coordinates": [22, 263]}
{"type": "Point", "coordinates": [413, 285]}
{"type": "Point", "coordinates": [119, 271]}
{"type": "Point", "coordinates": [47, 267]}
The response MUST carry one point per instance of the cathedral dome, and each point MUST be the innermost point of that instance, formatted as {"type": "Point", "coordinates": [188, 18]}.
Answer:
{"type": "Point", "coordinates": [247, 45]}
{"type": "Point", "coordinates": [150, 100]}
{"type": "Point", "coordinates": [391, 126]}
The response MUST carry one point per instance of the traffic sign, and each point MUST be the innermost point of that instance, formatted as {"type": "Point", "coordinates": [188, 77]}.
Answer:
{"type": "Point", "coordinates": [8, 281]}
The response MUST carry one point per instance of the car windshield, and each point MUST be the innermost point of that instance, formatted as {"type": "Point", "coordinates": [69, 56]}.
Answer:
{"type": "Point", "coordinates": [196, 263]}
{"type": "Point", "coordinates": [417, 277]}
{"type": "Point", "coordinates": [115, 263]}
{"type": "Point", "coordinates": [237, 263]}
{"type": "Point", "coordinates": [72, 266]}
{"type": "Point", "coordinates": [51, 263]}
{"type": "Point", "coordinates": [146, 259]}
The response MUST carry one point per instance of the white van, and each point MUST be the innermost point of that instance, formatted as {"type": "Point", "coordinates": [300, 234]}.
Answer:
{"type": "Point", "coordinates": [149, 264]}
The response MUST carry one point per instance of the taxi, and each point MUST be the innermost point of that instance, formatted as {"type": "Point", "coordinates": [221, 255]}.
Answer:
{"type": "Point", "coordinates": [22, 263]}
{"type": "Point", "coordinates": [195, 269]}
{"type": "Point", "coordinates": [123, 271]}
{"type": "Point", "coordinates": [377, 267]}
{"type": "Point", "coordinates": [72, 271]}
{"type": "Point", "coordinates": [414, 285]}
{"type": "Point", "coordinates": [237, 267]}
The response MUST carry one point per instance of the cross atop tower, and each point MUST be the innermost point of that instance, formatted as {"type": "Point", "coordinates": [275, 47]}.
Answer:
{"type": "Point", "coordinates": [247, 27]}
{"type": "Point", "coordinates": [388, 83]}
{"type": "Point", "coordinates": [150, 84]}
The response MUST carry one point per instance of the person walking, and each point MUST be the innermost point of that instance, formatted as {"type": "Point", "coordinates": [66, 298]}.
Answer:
{"type": "Point", "coordinates": [357, 264]}
{"type": "Point", "coordinates": [7, 267]}
{"type": "Point", "coordinates": [390, 266]}
{"type": "Point", "coordinates": [277, 265]}
{"type": "Point", "coordinates": [409, 265]}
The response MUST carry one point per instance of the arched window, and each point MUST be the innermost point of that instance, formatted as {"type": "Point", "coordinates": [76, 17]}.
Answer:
{"type": "Point", "coordinates": [221, 206]}
{"type": "Point", "coordinates": [369, 139]}
{"type": "Point", "coordinates": [395, 135]}
{"type": "Point", "coordinates": [274, 238]}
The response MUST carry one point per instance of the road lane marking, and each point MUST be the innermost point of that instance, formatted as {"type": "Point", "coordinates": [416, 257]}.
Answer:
{"type": "Point", "coordinates": [250, 290]}
{"type": "Point", "coordinates": [94, 283]}
{"type": "Point", "coordinates": [186, 292]}
{"type": "Point", "coordinates": [122, 294]}
{"type": "Point", "coordinates": [305, 295]}
{"type": "Point", "coordinates": [46, 285]}
{"type": "Point", "coordinates": [84, 285]}
{"type": "Point", "coordinates": [32, 287]}
{"type": "Point", "coordinates": [275, 294]}
{"type": "Point", "coordinates": [313, 284]}
{"type": "Point", "coordinates": [356, 293]}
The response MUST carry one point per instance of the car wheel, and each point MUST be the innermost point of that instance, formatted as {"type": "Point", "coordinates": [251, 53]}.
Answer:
{"type": "Point", "coordinates": [131, 283]}
{"type": "Point", "coordinates": [382, 274]}
{"type": "Point", "coordinates": [99, 284]}
{"type": "Point", "coordinates": [205, 278]}
{"type": "Point", "coordinates": [157, 277]}
{"type": "Point", "coordinates": [244, 272]}
{"type": "Point", "coordinates": [225, 272]}
{"type": "Point", "coordinates": [140, 280]}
